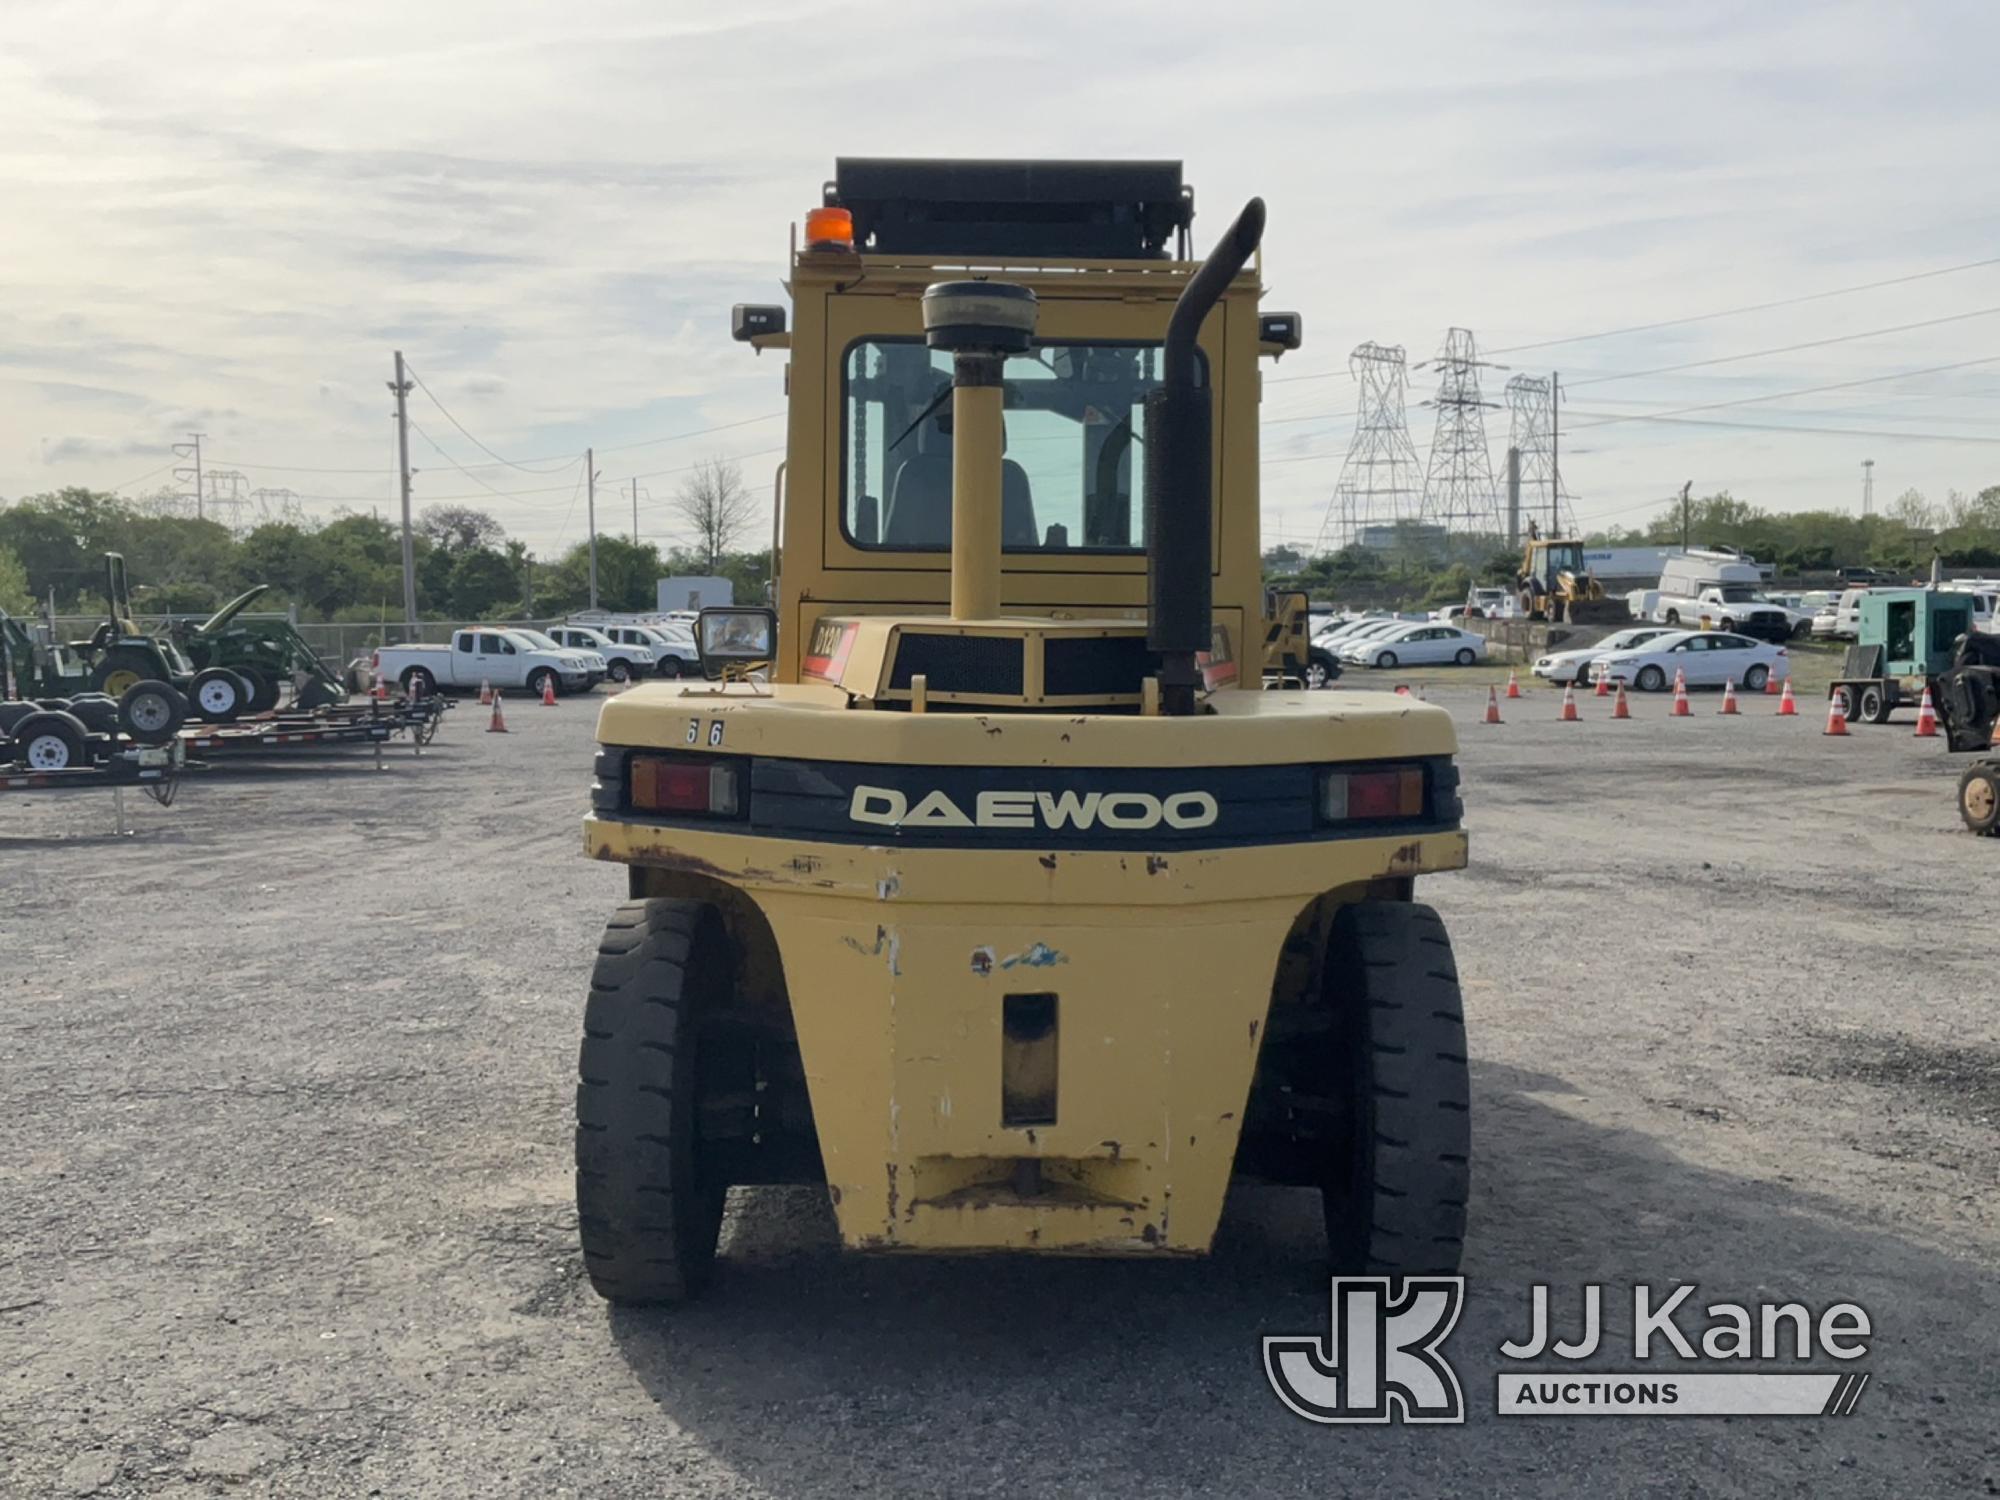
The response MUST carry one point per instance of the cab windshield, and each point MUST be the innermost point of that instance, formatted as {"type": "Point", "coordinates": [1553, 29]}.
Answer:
{"type": "Point", "coordinates": [1073, 436]}
{"type": "Point", "coordinates": [536, 639]}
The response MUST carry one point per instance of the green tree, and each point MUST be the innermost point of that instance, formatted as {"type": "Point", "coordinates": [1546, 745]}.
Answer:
{"type": "Point", "coordinates": [15, 596]}
{"type": "Point", "coordinates": [481, 583]}
{"type": "Point", "coordinates": [46, 547]}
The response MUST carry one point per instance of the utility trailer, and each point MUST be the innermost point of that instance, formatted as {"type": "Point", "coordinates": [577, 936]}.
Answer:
{"type": "Point", "coordinates": [153, 769]}
{"type": "Point", "coordinates": [375, 722]}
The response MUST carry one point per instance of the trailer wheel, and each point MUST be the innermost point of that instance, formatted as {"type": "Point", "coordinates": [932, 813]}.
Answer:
{"type": "Point", "coordinates": [1876, 705]}
{"type": "Point", "coordinates": [1979, 798]}
{"type": "Point", "coordinates": [648, 1196]}
{"type": "Point", "coordinates": [1398, 1175]}
{"type": "Point", "coordinates": [217, 695]}
{"type": "Point", "coordinates": [152, 712]}
{"type": "Point", "coordinates": [45, 741]}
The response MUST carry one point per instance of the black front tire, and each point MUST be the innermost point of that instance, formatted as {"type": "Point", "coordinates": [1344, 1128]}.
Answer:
{"type": "Point", "coordinates": [542, 683]}
{"type": "Point", "coordinates": [648, 1196]}
{"type": "Point", "coordinates": [1979, 798]}
{"type": "Point", "coordinates": [1397, 1183]}
{"type": "Point", "coordinates": [263, 690]}
{"type": "Point", "coordinates": [1756, 677]}
{"type": "Point", "coordinates": [619, 671]}
{"type": "Point", "coordinates": [1651, 679]}
{"type": "Point", "coordinates": [670, 666]}
{"type": "Point", "coordinates": [1386, 661]}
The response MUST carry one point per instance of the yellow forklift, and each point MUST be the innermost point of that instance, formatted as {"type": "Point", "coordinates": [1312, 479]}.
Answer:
{"type": "Point", "coordinates": [976, 881]}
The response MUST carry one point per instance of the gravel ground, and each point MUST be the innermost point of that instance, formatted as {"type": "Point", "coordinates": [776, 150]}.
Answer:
{"type": "Point", "coordinates": [287, 1079]}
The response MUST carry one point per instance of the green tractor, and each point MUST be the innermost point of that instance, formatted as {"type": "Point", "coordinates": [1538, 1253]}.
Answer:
{"type": "Point", "coordinates": [121, 655]}
{"type": "Point", "coordinates": [51, 716]}
{"type": "Point", "coordinates": [270, 652]}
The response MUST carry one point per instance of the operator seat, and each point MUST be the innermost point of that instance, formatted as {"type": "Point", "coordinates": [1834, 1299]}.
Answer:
{"type": "Point", "coordinates": [919, 513]}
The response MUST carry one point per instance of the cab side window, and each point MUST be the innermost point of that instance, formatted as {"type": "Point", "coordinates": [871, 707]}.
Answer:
{"type": "Point", "coordinates": [492, 645]}
{"type": "Point", "coordinates": [465, 641]}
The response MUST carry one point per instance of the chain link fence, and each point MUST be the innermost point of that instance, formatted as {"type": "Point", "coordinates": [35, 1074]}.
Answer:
{"type": "Point", "coordinates": [335, 644]}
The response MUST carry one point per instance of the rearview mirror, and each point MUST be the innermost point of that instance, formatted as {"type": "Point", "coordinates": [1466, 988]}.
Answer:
{"type": "Point", "coordinates": [732, 636]}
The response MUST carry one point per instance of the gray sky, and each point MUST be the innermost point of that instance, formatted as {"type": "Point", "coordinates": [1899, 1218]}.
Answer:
{"type": "Point", "coordinates": [223, 216]}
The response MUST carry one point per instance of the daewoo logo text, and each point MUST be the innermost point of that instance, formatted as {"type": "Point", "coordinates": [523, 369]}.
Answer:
{"type": "Point", "coordinates": [1133, 811]}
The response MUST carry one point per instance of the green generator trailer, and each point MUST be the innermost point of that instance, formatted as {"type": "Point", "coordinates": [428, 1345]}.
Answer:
{"type": "Point", "coordinates": [1906, 640]}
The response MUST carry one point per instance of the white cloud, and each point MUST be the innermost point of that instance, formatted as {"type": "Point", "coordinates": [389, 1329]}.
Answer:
{"type": "Point", "coordinates": [550, 209]}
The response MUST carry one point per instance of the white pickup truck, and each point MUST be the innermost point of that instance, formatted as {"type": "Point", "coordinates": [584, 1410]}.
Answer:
{"type": "Point", "coordinates": [487, 653]}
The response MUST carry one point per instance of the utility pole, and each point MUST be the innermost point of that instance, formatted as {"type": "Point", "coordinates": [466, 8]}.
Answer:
{"type": "Point", "coordinates": [635, 512]}
{"type": "Point", "coordinates": [402, 389]}
{"type": "Point", "coordinates": [1685, 524]}
{"type": "Point", "coordinates": [1867, 488]}
{"type": "Point", "coordinates": [1555, 454]}
{"type": "Point", "coordinates": [1513, 499]}
{"type": "Point", "coordinates": [191, 448]}
{"type": "Point", "coordinates": [590, 482]}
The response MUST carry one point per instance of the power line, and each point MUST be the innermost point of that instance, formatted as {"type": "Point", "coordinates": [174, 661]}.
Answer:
{"type": "Point", "coordinates": [1860, 432]}
{"type": "Point", "coordinates": [1727, 312]}
{"type": "Point", "coordinates": [1811, 390]}
{"type": "Point", "coordinates": [1733, 312]}
{"type": "Point", "coordinates": [455, 463]}
{"type": "Point", "coordinates": [1845, 338]}
{"type": "Point", "coordinates": [510, 463]}
{"type": "Point", "coordinates": [147, 475]}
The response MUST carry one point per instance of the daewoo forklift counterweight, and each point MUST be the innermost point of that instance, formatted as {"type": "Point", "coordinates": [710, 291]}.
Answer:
{"type": "Point", "coordinates": [1006, 907]}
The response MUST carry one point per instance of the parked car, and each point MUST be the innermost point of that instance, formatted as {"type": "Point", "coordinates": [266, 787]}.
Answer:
{"type": "Point", "coordinates": [622, 661]}
{"type": "Point", "coordinates": [1842, 621]}
{"type": "Point", "coordinates": [1707, 658]}
{"type": "Point", "coordinates": [672, 645]}
{"type": "Point", "coordinates": [1574, 666]}
{"type": "Point", "coordinates": [1865, 576]}
{"type": "Point", "coordinates": [1417, 646]}
{"type": "Point", "coordinates": [593, 660]}
{"type": "Point", "coordinates": [499, 654]}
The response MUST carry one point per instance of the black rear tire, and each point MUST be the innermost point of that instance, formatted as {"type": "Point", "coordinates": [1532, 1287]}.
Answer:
{"type": "Point", "coordinates": [648, 1195]}
{"type": "Point", "coordinates": [1876, 705]}
{"type": "Point", "coordinates": [1756, 677]}
{"type": "Point", "coordinates": [1398, 1180]}
{"type": "Point", "coordinates": [418, 682]}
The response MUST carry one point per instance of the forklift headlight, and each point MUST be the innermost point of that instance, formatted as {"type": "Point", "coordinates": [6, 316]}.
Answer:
{"type": "Point", "coordinates": [1371, 796]}
{"type": "Point", "coordinates": [687, 786]}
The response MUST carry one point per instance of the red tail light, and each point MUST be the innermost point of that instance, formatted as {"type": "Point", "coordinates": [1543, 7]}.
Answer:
{"type": "Point", "coordinates": [687, 785]}
{"type": "Point", "coordinates": [1392, 792]}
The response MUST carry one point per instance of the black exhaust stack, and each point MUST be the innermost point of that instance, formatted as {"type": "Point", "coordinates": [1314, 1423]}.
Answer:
{"type": "Point", "coordinates": [1179, 421]}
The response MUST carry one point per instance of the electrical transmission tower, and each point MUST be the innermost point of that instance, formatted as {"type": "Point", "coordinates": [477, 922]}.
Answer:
{"type": "Point", "coordinates": [278, 506]}
{"type": "Point", "coordinates": [1380, 479]}
{"type": "Point", "coordinates": [1530, 411]}
{"type": "Point", "coordinates": [1459, 494]}
{"type": "Point", "coordinates": [228, 498]}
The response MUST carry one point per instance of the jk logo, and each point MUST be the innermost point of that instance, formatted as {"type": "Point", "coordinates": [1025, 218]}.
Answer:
{"type": "Point", "coordinates": [1380, 1361]}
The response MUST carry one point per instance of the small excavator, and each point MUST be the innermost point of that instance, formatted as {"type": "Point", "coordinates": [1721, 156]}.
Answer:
{"type": "Point", "coordinates": [1554, 584]}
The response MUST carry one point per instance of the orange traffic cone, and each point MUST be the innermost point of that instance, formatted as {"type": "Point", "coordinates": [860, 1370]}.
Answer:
{"type": "Point", "coordinates": [1603, 685]}
{"type": "Point", "coordinates": [1771, 685]}
{"type": "Point", "coordinates": [1926, 717]}
{"type": "Point", "coordinates": [1620, 709]}
{"type": "Point", "coordinates": [485, 691]}
{"type": "Point", "coordinates": [1788, 707]}
{"type": "Point", "coordinates": [1569, 713]}
{"type": "Point", "coordinates": [380, 692]}
{"type": "Point", "coordinates": [1492, 706]}
{"type": "Point", "coordinates": [1681, 708]}
{"type": "Point", "coordinates": [548, 692]}
{"type": "Point", "coordinates": [498, 723]}
{"type": "Point", "coordinates": [1728, 696]}
{"type": "Point", "coordinates": [1836, 712]}
{"type": "Point", "coordinates": [1513, 686]}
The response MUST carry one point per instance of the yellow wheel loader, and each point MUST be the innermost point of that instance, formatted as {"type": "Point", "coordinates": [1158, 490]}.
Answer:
{"type": "Point", "coordinates": [976, 881]}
